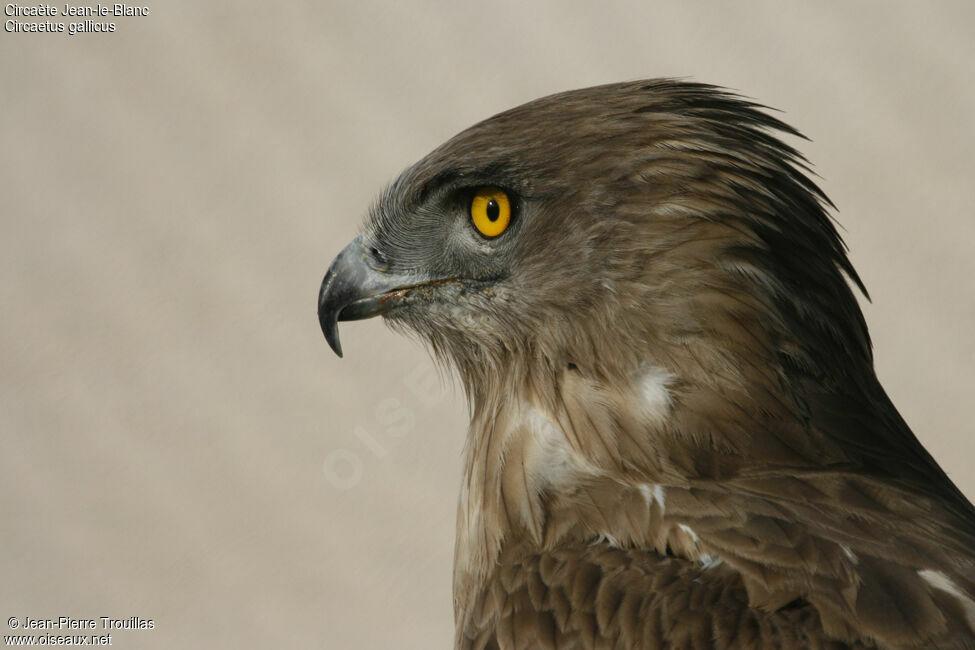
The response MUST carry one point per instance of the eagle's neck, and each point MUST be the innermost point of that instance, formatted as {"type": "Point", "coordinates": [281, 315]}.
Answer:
{"type": "Point", "coordinates": [539, 472]}
{"type": "Point", "coordinates": [743, 464]}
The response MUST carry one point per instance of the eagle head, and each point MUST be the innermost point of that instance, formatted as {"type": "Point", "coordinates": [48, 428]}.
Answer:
{"type": "Point", "coordinates": [602, 230]}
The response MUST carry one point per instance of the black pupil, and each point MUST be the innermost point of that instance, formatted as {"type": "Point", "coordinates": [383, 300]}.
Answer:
{"type": "Point", "coordinates": [493, 210]}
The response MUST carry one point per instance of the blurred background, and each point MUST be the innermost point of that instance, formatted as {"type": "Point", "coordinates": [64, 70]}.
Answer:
{"type": "Point", "coordinates": [179, 443]}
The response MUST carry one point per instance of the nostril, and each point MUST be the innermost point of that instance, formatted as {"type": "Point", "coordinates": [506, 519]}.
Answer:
{"type": "Point", "coordinates": [376, 255]}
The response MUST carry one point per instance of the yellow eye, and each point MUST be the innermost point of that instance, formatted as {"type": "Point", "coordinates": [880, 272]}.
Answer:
{"type": "Point", "coordinates": [490, 211]}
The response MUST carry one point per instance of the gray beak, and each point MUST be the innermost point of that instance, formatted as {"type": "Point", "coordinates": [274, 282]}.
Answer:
{"type": "Point", "coordinates": [354, 289]}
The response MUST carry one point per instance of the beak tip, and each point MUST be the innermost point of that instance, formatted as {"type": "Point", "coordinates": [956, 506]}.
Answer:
{"type": "Point", "coordinates": [337, 348]}
{"type": "Point", "coordinates": [330, 328]}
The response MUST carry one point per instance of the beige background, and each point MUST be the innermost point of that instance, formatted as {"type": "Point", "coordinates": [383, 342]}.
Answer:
{"type": "Point", "coordinates": [178, 442]}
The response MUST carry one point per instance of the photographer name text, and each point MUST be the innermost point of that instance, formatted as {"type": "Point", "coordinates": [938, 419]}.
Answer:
{"type": "Point", "coordinates": [68, 623]}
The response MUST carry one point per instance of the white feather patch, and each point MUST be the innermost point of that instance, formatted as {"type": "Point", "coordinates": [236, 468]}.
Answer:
{"type": "Point", "coordinates": [943, 583]}
{"type": "Point", "coordinates": [653, 390]}
{"type": "Point", "coordinates": [551, 460]}
{"type": "Point", "coordinates": [690, 531]}
{"type": "Point", "coordinates": [605, 538]}
{"type": "Point", "coordinates": [709, 561]}
{"type": "Point", "coordinates": [654, 493]}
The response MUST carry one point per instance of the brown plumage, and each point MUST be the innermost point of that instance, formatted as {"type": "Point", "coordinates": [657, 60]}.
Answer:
{"type": "Point", "coordinates": [677, 437]}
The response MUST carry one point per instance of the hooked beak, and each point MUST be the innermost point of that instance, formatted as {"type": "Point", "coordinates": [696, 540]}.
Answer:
{"type": "Point", "coordinates": [354, 289]}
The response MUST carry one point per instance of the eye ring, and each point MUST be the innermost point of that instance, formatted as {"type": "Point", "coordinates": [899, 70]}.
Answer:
{"type": "Point", "coordinates": [490, 211]}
